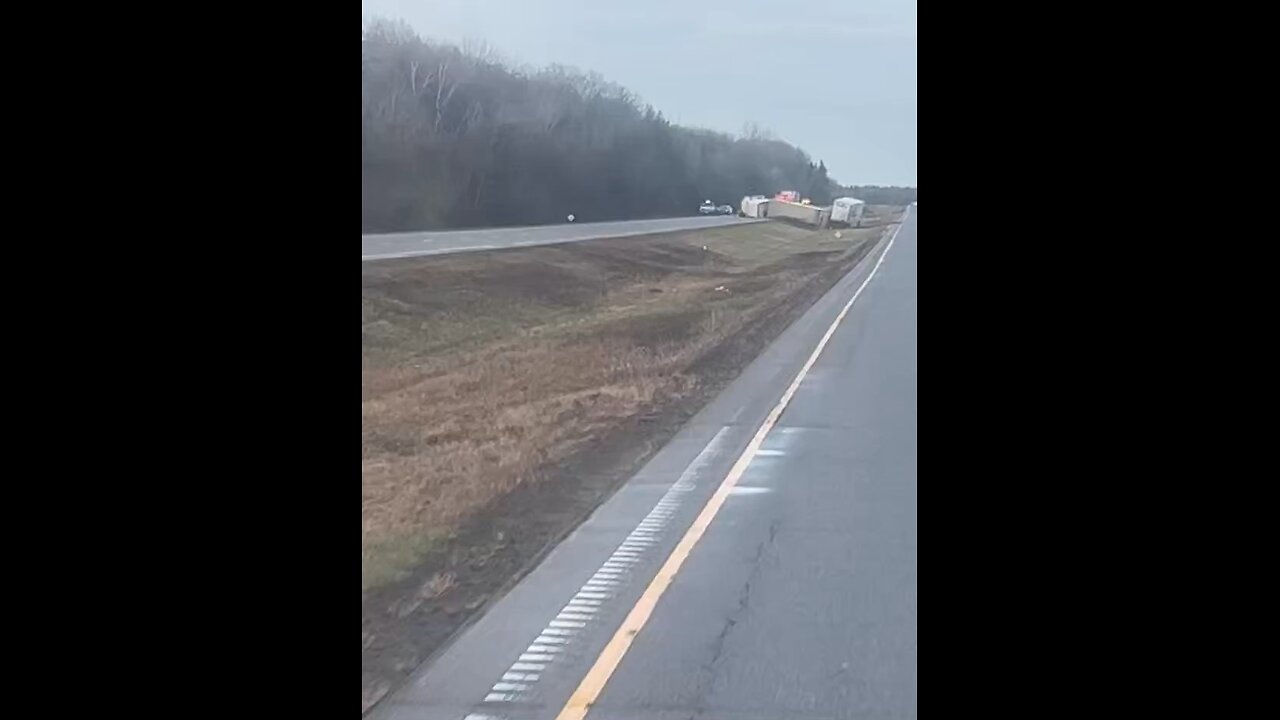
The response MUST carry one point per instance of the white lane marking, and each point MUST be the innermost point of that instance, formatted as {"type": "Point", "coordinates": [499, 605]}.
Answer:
{"type": "Point", "coordinates": [559, 631]}
{"type": "Point", "coordinates": [498, 697]}
{"type": "Point", "coordinates": [544, 649]}
{"type": "Point", "coordinates": [529, 667]}
{"type": "Point", "coordinates": [741, 490]}
{"type": "Point", "coordinates": [536, 657]}
{"type": "Point", "coordinates": [507, 687]}
{"type": "Point", "coordinates": [519, 677]}
{"type": "Point", "coordinates": [770, 453]}
{"type": "Point", "coordinates": [564, 624]}
{"type": "Point", "coordinates": [547, 640]}
{"type": "Point", "coordinates": [592, 595]}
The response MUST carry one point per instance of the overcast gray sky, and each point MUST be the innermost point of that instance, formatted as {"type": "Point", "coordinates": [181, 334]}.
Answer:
{"type": "Point", "coordinates": [835, 77]}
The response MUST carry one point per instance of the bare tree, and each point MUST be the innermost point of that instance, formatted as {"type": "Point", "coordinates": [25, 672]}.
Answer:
{"type": "Point", "coordinates": [454, 137]}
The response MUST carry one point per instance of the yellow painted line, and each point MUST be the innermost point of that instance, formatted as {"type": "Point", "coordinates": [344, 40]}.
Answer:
{"type": "Point", "coordinates": [592, 685]}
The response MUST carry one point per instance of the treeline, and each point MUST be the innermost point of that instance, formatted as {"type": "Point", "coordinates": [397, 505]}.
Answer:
{"type": "Point", "coordinates": [455, 138]}
{"type": "Point", "coordinates": [877, 195]}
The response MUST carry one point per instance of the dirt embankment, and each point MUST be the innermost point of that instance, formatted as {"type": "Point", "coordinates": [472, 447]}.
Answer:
{"type": "Point", "coordinates": [505, 394]}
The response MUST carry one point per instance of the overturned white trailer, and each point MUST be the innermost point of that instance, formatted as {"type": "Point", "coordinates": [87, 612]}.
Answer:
{"type": "Point", "coordinates": [754, 206]}
{"type": "Point", "coordinates": [848, 210]}
{"type": "Point", "coordinates": [814, 215]}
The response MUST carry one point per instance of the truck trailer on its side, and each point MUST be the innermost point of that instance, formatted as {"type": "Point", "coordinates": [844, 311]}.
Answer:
{"type": "Point", "coordinates": [814, 215]}
{"type": "Point", "coordinates": [754, 206]}
{"type": "Point", "coordinates": [848, 210]}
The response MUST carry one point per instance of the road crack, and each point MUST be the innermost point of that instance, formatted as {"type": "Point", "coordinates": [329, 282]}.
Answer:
{"type": "Point", "coordinates": [708, 671]}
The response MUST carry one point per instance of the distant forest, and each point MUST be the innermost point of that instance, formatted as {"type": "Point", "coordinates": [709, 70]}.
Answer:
{"type": "Point", "coordinates": [453, 137]}
{"type": "Point", "coordinates": [877, 195]}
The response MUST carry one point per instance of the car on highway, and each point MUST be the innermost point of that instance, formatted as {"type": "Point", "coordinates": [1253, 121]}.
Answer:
{"type": "Point", "coordinates": [707, 208]}
{"type": "Point", "coordinates": [725, 210]}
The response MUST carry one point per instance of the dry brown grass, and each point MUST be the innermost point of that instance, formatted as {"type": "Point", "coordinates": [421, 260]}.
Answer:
{"type": "Point", "coordinates": [478, 370]}
{"type": "Point", "coordinates": [452, 435]}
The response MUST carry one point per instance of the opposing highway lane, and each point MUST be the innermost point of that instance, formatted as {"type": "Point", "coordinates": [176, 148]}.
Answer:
{"type": "Point", "coordinates": [401, 245]}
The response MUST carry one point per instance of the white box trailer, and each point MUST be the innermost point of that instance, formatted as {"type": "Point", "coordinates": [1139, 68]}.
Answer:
{"type": "Point", "coordinates": [755, 206]}
{"type": "Point", "coordinates": [808, 214]}
{"type": "Point", "coordinates": [848, 210]}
